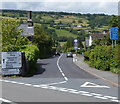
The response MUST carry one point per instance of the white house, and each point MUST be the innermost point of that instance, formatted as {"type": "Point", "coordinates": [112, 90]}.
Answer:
{"type": "Point", "coordinates": [93, 36]}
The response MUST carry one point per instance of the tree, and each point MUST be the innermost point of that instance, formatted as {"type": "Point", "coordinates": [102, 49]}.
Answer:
{"type": "Point", "coordinates": [43, 40]}
{"type": "Point", "coordinates": [11, 38]}
{"type": "Point", "coordinates": [114, 21]}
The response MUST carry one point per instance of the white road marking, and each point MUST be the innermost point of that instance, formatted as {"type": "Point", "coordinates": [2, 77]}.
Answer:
{"type": "Point", "coordinates": [96, 94]}
{"type": "Point", "coordinates": [100, 97]}
{"type": "Point", "coordinates": [20, 83]}
{"type": "Point", "coordinates": [56, 83]}
{"type": "Point", "coordinates": [74, 59]}
{"type": "Point", "coordinates": [63, 89]}
{"type": "Point", "coordinates": [89, 84]}
{"type": "Point", "coordinates": [110, 97]}
{"type": "Point", "coordinates": [115, 100]}
{"type": "Point", "coordinates": [4, 100]}
{"type": "Point", "coordinates": [74, 91]}
{"type": "Point", "coordinates": [64, 76]}
{"type": "Point", "coordinates": [83, 92]}
{"type": "Point", "coordinates": [87, 94]}
{"type": "Point", "coordinates": [116, 84]}
{"type": "Point", "coordinates": [36, 85]}
{"type": "Point", "coordinates": [28, 84]}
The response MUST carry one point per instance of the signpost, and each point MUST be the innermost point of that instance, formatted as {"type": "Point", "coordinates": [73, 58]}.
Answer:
{"type": "Point", "coordinates": [11, 63]}
{"type": "Point", "coordinates": [114, 35]}
{"type": "Point", "coordinates": [76, 44]}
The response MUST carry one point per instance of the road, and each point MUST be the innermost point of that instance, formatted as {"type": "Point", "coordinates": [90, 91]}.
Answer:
{"type": "Point", "coordinates": [58, 79]}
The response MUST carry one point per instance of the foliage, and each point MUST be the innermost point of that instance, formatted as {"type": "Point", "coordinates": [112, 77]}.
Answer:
{"type": "Point", "coordinates": [104, 58]}
{"type": "Point", "coordinates": [80, 51]}
{"type": "Point", "coordinates": [11, 39]}
{"type": "Point", "coordinates": [105, 41]}
{"type": "Point", "coordinates": [32, 54]}
{"type": "Point", "coordinates": [44, 41]}
{"type": "Point", "coordinates": [115, 22]}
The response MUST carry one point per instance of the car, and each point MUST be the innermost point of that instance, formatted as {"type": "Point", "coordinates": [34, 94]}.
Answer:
{"type": "Point", "coordinates": [69, 54]}
{"type": "Point", "coordinates": [56, 54]}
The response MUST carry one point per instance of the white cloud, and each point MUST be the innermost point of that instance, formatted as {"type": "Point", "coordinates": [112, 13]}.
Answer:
{"type": "Point", "coordinates": [77, 7]}
{"type": "Point", "coordinates": [59, 0]}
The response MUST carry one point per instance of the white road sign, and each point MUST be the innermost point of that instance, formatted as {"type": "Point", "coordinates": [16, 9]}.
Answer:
{"type": "Point", "coordinates": [11, 63]}
{"type": "Point", "coordinates": [11, 60]}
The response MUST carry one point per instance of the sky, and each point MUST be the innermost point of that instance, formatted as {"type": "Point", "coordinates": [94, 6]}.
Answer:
{"type": "Point", "coordinates": [109, 7]}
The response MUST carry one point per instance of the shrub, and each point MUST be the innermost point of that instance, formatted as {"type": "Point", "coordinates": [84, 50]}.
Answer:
{"type": "Point", "coordinates": [104, 58]}
{"type": "Point", "coordinates": [32, 54]}
{"type": "Point", "coordinates": [80, 51]}
{"type": "Point", "coordinates": [115, 60]}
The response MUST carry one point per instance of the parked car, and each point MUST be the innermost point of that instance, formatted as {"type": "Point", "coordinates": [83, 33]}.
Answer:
{"type": "Point", "coordinates": [69, 54]}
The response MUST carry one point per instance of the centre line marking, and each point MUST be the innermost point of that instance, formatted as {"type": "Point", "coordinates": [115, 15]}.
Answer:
{"type": "Point", "coordinates": [64, 76]}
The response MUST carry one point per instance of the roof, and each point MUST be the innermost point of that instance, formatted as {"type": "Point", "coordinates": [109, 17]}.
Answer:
{"type": "Point", "coordinates": [97, 36]}
{"type": "Point", "coordinates": [27, 31]}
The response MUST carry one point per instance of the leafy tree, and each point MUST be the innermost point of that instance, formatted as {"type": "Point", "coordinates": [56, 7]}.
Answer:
{"type": "Point", "coordinates": [43, 40]}
{"type": "Point", "coordinates": [11, 38]}
{"type": "Point", "coordinates": [114, 21]}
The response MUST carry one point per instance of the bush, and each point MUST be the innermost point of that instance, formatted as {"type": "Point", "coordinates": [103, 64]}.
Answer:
{"type": "Point", "coordinates": [80, 51]}
{"type": "Point", "coordinates": [104, 58]}
{"type": "Point", "coordinates": [32, 54]}
{"type": "Point", "coordinates": [115, 60]}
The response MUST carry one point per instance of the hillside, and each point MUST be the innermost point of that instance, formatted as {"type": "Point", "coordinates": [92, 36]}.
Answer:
{"type": "Point", "coordinates": [65, 24]}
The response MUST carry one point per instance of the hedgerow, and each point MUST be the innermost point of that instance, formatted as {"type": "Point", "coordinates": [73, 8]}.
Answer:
{"type": "Point", "coordinates": [104, 58]}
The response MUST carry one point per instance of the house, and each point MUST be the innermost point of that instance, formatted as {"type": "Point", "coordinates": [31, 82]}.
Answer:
{"type": "Point", "coordinates": [79, 26]}
{"type": "Point", "coordinates": [93, 36]}
{"type": "Point", "coordinates": [63, 25]}
{"type": "Point", "coordinates": [28, 29]}
{"type": "Point", "coordinates": [73, 25]}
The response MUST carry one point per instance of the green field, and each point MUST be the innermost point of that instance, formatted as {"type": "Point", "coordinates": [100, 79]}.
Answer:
{"type": "Point", "coordinates": [65, 33]}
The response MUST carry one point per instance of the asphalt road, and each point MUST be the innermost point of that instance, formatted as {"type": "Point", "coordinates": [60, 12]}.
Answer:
{"type": "Point", "coordinates": [58, 79]}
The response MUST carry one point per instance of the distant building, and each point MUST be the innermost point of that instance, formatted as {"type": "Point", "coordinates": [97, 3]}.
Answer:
{"type": "Point", "coordinates": [63, 25]}
{"type": "Point", "coordinates": [73, 25]}
{"type": "Point", "coordinates": [93, 36]}
{"type": "Point", "coordinates": [79, 26]}
{"type": "Point", "coordinates": [28, 29]}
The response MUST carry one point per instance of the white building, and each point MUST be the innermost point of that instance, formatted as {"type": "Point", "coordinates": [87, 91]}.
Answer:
{"type": "Point", "coordinates": [93, 36]}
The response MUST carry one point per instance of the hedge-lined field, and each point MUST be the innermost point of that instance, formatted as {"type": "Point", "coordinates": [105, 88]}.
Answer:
{"type": "Point", "coordinates": [104, 58]}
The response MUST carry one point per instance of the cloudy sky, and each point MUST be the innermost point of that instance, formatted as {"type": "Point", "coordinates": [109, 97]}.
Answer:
{"type": "Point", "coordinates": [109, 7]}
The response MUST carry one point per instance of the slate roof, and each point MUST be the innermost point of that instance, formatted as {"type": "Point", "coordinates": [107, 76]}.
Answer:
{"type": "Point", "coordinates": [27, 31]}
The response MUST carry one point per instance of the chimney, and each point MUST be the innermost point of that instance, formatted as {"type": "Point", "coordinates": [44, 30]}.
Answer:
{"type": "Point", "coordinates": [29, 21]}
{"type": "Point", "coordinates": [29, 14]}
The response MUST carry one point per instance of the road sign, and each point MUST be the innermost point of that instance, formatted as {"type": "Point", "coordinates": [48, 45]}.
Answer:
{"type": "Point", "coordinates": [75, 40]}
{"type": "Point", "coordinates": [11, 63]}
{"type": "Point", "coordinates": [114, 33]}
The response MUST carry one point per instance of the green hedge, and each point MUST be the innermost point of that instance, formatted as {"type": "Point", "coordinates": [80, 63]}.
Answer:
{"type": "Point", "coordinates": [104, 58]}
{"type": "Point", "coordinates": [80, 51]}
{"type": "Point", "coordinates": [32, 54]}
